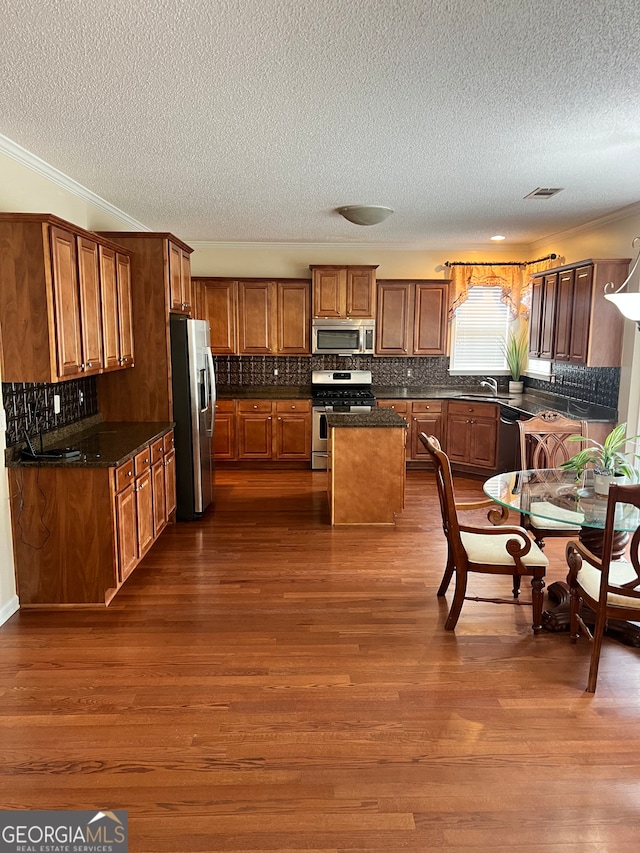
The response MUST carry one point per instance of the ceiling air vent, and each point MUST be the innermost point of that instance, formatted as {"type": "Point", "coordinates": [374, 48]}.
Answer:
{"type": "Point", "coordinates": [544, 192]}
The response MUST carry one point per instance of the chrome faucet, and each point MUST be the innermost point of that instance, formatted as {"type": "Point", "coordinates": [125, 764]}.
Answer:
{"type": "Point", "coordinates": [490, 383]}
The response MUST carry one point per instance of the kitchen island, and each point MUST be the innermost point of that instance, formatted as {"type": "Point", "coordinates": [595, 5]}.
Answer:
{"type": "Point", "coordinates": [366, 466]}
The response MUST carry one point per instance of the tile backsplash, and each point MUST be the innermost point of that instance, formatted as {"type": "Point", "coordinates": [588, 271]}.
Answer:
{"type": "Point", "coordinates": [29, 406]}
{"type": "Point", "coordinates": [591, 384]}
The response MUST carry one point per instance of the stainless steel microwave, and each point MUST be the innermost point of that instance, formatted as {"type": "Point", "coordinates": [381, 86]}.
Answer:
{"type": "Point", "coordinates": [343, 337]}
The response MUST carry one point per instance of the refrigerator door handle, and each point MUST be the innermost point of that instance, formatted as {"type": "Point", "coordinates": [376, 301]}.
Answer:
{"type": "Point", "coordinates": [212, 389]}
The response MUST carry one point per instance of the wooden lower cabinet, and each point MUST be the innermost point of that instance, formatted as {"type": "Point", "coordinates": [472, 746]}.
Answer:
{"type": "Point", "coordinates": [472, 434]}
{"type": "Point", "coordinates": [421, 416]}
{"type": "Point", "coordinates": [262, 430]}
{"type": "Point", "coordinates": [78, 532]}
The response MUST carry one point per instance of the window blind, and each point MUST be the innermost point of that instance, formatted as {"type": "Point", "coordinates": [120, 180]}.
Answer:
{"type": "Point", "coordinates": [480, 328]}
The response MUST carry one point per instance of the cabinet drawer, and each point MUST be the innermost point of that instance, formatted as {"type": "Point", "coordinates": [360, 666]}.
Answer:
{"type": "Point", "coordinates": [399, 406]}
{"type": "Point", "coordinates": [226, 406]}
{"type": "Point", "coordinates": [142, 461]}
{"type": "Point", "coordinates": [124, 475]}
{"type": "Point", "coordinates": [430, 406]}
{"type": "Point", "coordinates": [157, 450]}
{"type": "Point", "coordinates": [263, 406]}
{"type": "Point", "coordinates": [293, 406]}
{"type": "Point", "coordinates": [480, 410]}
{"type": "Point", "coordinates": [169, 442]}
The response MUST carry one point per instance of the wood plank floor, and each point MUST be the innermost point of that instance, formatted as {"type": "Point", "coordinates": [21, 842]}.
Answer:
{"type": "Point", "coordinates": [264, 682]}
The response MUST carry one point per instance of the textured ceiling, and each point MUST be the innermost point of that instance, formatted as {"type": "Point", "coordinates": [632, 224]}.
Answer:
{"type": "Point", "coordinates": [252, 120]}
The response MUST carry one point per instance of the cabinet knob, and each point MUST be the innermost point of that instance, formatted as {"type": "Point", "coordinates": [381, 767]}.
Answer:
{"type": "Point", "coordinates": [255, 407]}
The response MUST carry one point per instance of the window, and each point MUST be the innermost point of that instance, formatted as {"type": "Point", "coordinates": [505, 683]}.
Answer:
{"type": "Point", "coordinates": [479, 331]}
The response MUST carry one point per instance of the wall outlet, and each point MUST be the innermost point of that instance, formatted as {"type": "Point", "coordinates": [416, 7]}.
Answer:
{"type": "Point", "coordinates": [56, 404]}
{"type": "Point", "coordinates": [409, 372]}
{"type": "Point", "coordinates": [80, 396]}
{"type": "Point", "coordinates": [275, 372]}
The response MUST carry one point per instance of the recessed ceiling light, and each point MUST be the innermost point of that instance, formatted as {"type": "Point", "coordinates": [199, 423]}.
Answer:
{"type": "Point", "coordinates": [498, 237]}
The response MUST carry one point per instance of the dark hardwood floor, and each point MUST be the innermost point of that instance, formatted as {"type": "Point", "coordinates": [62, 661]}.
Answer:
{"type": "Point", "coordinates": [264, 682]}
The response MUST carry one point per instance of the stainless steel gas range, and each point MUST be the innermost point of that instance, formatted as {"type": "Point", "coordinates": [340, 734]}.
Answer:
{"type": "Point", "coordinates": [336, 391]}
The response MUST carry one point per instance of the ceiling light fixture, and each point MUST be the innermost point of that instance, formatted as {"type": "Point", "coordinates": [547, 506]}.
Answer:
{"type": "Point", "coordinates": [362, 214]}
{"type": "Point", "coordinates": [498, 237]}
{"type": "Point", "coordinates": [627, 303]}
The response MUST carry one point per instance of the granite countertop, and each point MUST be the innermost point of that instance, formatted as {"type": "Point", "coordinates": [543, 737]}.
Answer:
{"type": "Point", "coordinates": [382, 417]}
{"type": "Point", "coordinates": [529, 403]}
{"type": "Point", "coordinates": [102, 445]}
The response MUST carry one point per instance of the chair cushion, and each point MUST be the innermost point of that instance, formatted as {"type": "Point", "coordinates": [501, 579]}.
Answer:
{"type": "Point", "coordinates": [565, 519]}
{"type": "Point", "coordinates": [619, 572]}
{"type": "Point", "coordinates": [492, 549]}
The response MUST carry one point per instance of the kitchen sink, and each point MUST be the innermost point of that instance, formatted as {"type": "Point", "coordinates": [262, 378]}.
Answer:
{"type": "Point", "coordinates": [478, 395]}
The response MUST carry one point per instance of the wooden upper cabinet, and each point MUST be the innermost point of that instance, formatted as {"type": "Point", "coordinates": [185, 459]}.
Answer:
{"type": "Point", "coordinates": [430, 323]}
{"type": "Point", "coordinates": [293, 307]}
{"type": "Point", "coordinates": [395, 307]}
{"type": "Point", "coordinates": [90, 305]}
{"type": "Point", "coordinates": [576, 323]}
{"type": "Point", "coordinates": [412, 317]}
{"type": "Point", "coordinates": [219, 307]}
{"type": "Point", "coordinates": [256, 314]}
{"type": "Point", "coordinates": [125, 310]}
{"type": "Point", "coordinates": [66, 303]}
{"type": "Point", "coordinates": [58, 300]}
{"type": "Point", "coordinates": [179, 279]}
{"type": "Point", "coordinates": [343, 291]}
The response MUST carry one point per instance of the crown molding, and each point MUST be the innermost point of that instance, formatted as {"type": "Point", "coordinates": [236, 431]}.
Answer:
{"type": "Point", "coordinates": [26, 158]}
{"type": "Point", "coordinates": [615, 216]}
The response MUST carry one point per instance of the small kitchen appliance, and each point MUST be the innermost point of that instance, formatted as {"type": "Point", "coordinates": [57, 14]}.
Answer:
{"type": "Point", "coordinates": [337, 391]}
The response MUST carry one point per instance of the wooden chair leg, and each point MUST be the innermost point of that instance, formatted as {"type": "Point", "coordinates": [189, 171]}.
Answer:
{"type": "Point", "coordinates": [575, 603]}
{"type": "Point", "coordinates": [516, 585]}
{"type": "Point", "coordinates": [598, 633]}
{"type": "Point", "coordinates": [537, 601]}
{"type": "Point", "coordinates": [458, 599]}
{"type": "Point", "coordinates": [448, 574]}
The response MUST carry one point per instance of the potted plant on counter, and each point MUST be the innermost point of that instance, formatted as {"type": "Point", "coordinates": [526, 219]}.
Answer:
{"type": "Point", "coordinates": [609, 460]}
{"type": "Point", "coordinates": [516, 352]}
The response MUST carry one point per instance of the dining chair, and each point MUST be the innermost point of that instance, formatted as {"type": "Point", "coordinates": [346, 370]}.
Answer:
{"type": "Point", "coordinates": [609, 587]}
{"type": "Point", "coordinates": [543, 444]}
{"type": "Point", "coordinates": [501, 550]}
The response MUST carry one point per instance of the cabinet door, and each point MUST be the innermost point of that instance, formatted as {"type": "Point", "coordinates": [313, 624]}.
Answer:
{"type": "Point", "coordinates": [581, 315]}
{"type": "Point", "coordinates": [394, 308]}
{"type": "Point", "coordinates": [224, 430]}
{"type": "Point", "coordinates": [256, 317]}
{"type": "Point", "coordinates": [483, 442]}
{"type": "Point", "coordinates": [125, 312]}
{"type": "Point", "coordinates": [430, 319]}
{"type": "Point", "coordinates": [426, 416]}
{"type": "Point", "coordinates": [109, 291]}
{"type": "Point", "coordinates": [90, 309]}
{"type": "Point", "coordinates": [329, 292]}
{"type": "Point", "coordinates": [170, 482]}
{"type": "Point", "coordinates": [360, 296]}
{"type": "Point", "coordinates": [185, 282]}
{"type": "Point", "coordinates": [144, 511]}
{"type": "Point", "coordinates": [255, 430]}
{"type": "Point", "coordinates": [219, 300]}
{"type": "Point", "coordinates": [66, 303]}
{"type": "Point", "coordinates": [127, 531]}
{"type": "Point", "coordinates": [293, 430]}
{"type": "Point", "coordinates": [458, 437]}
{"type": "Point", "coordinates": [548, 316]}
{"type": "Point", "coordinates": [293, 310]}
{"type": "Point", "coordinates": [535, 316]}
{"type": "Point", "coordinates": [159, 496]}
{"type": "Point", "coordinates": [175, 277]}
{"type": "Point", "coordinates": [564, 319]}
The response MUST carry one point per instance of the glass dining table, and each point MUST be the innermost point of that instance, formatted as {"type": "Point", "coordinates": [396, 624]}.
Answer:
{"type": "Point", "coordinates": [556, 495]}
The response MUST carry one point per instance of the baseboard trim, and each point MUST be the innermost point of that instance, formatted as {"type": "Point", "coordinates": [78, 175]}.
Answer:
{"type": "Point", "coordinates": [6, 611]}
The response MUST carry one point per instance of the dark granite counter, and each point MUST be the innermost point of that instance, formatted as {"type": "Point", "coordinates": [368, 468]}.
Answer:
{"type": "Point", "coordinates": [382, 417]}
{"type": "Point", "coordinates": [529, 403]}
{"type": "Point", "coordinates": [103, 445]}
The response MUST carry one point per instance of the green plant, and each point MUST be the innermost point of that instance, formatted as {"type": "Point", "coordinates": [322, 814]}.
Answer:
{"type": "Point", "coordinates": [607, 458]}
{"type": "Point", "coordinates": [516, 351]}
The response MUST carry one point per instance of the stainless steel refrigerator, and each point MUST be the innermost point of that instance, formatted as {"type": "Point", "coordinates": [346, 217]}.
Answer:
{"type": "Point", "coordinates": [194, 397]}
